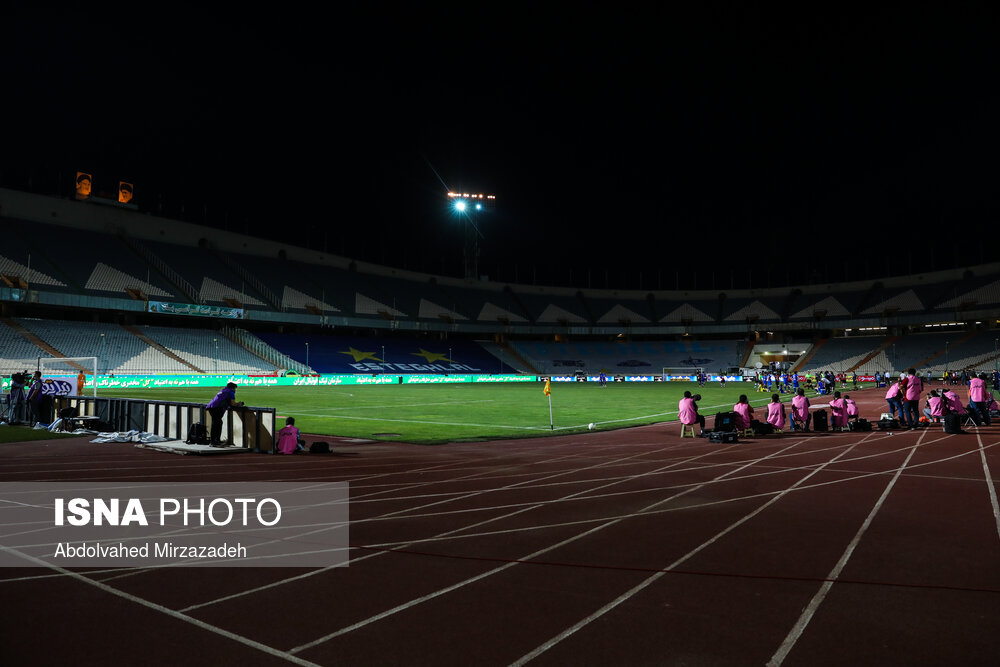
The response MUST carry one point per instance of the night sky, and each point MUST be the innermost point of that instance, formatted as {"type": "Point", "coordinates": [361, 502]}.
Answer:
{"type": "Point", "coordinates": [631, 146]}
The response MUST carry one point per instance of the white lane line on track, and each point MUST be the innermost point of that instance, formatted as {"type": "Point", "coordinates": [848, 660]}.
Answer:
{"type": "Point", "coordinates": [545, 646]}
{"type": "Point", "coordinates": [264, 648]}
{"type": "Point", "coordinates": [989, 482]}
{"type": "Point", "coordinates": [412, 603]}
{"type": "Point", "coordinates": [381, 553]}
{"type": "Point", "coordinates": [765, 494]}
{"type": "Point", "coordinates": [767, 473]}
{"type": "Point", "coordinates": [800, 625]}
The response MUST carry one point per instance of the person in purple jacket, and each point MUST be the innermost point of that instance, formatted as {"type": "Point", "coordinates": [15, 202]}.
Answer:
{"type": "Point", "coordinates": [217, 407]}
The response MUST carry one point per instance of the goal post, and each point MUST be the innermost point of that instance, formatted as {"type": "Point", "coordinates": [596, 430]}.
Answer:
{"type": "Point", "coordinates": [70, 366]}
{"type": "Point", "coordinates": [681, 373]}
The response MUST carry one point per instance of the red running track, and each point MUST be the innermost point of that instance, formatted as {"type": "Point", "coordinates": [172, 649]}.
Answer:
{"type": "Point", "coordinates": [633, 547]}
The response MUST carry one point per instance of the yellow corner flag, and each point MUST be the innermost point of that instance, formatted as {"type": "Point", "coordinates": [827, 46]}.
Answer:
{"type": "Point", "coordinates": [548, 388]}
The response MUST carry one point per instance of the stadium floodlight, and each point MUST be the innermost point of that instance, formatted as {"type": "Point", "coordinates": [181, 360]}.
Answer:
{"type": "Point", "coordinates": [465, 201]}
{"type": "Point", "coordinates": [465, 204]}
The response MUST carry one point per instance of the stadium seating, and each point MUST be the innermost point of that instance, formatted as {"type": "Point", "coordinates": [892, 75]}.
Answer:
{"type": "Point", "coordinates": [80, 259]}
{"type": "Point", "coordinates": [16, 352]}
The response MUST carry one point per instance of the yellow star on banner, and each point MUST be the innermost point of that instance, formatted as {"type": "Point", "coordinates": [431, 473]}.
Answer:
{"type": "Point", "coordinates": [359, 355]}
{"type": "Point", "coordinates": [431, 357]}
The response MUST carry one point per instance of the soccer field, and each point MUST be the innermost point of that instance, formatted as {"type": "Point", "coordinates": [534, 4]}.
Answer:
{"type": "Point", "coordinates": [434, 414]}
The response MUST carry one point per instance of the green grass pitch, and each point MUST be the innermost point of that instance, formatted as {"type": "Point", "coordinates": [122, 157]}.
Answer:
{"type": "Point", "coordinates": [435, 414]}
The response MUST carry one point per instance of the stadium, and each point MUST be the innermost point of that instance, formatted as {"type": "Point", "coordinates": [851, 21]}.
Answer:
{"type": "Point", "coordinates": [414, 336]}
{"type": "Point", "coordinates": [375, 361]}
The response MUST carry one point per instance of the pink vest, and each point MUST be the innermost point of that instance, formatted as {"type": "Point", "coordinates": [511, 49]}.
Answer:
{"type": "Point", "coordinates": [800, 408]}
{"type": "Point", "coordinates": [977, 390]}
{"type": "Point", "coordinates": [686, 411]}
{"type": "Point", "coordinates": [914, 387]}
{"type": "Point", "coordinates": [743, 412]}
{"type": "Point", "coordinates": [954, 405]}
{"type": "Point", "coordinates": [838, 413]}
{"type": "Point", "coordinates": [776, 415]}
{"type": "Point", "coordinates": [288, 439]}
{"type": "Point", "coordinates": [893, 391]}
{"type": "Point", "coordinates": [935, 405]}
{"type": "Point", "coordinates": [852, 407]}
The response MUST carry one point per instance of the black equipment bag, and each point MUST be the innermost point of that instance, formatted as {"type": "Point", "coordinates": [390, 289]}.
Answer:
{"type": "Point", "coordinates": [725, 421]}
{"type": "Point", "coordinates": [953, 423]}
{"type": "Point", "coordinates": [723, 436]}
{"type": "Point", "coordinates": [860, 424]}
{"type": "Point", "coordinates": [887, 424]}
{"type": "Point", "coordinates": [761, 428]}
{"type": "Point", "coordinates": [197, 434]}
{"type": "Point", "coordinates": [820, 422]}
{"type": "Point", "coordinates": [319, 447]}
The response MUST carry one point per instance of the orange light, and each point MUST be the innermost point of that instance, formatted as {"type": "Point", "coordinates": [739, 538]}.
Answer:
{"type": "Point", "coordinates": [125, 191]}
{"type": "Point", "coordinates": [84, 184]}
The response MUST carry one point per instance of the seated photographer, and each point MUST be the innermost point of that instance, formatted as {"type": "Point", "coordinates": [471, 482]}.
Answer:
{"type": "Point", "coordinates": [799, 414]}
{"type": "Point", "coordinates": [935, 406]}
{"type": "Point", "coordinates": [838, 411]}
{"type": "Point", "coordinates": [852, 408]}
{"type": "Point", "coordinates": [688, 411]}
{"type": "Point", "coordinates": [744, 413]}
{"type": "Point", "coordinates": [776, 412]}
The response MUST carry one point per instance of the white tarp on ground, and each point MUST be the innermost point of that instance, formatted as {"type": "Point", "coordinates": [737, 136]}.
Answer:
{"type": "Point", "coordinates": [125, 436]}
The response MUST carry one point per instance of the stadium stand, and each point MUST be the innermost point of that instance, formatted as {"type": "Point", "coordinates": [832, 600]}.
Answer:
{"type": "Point", "coordinates": [628, 358]}
{"type": "Point", "coordinates": [67, 258]}
{"type": "Point", "coordinates": [17, 353]}
{"type": "Point", "coordinates": [843, 354]}
{"type": "Point", "coordinates": [389, 355]}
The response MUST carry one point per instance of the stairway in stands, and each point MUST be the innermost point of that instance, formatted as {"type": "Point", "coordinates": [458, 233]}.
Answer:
{"type": "Point", "coordinates": [153, 344]}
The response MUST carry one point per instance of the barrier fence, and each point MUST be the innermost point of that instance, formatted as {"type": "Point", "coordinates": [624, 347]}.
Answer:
{"type": "Point", "coordinates": [252, 428]}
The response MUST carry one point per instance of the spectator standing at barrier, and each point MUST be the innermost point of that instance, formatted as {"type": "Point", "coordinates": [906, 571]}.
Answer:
{"type": "Point", "coordinates": [914, 388]}
{"type": "Point", "coordinates": [977, 399]}
{"type": "Point", "coordinates": [687, 411]}
{"type": "Point", "coordinates": [800, 411]}
{"type": "Point", "coordinates": [35, 397]}
{"type": "Point", "coordinates": [15, 410]}
{"type": "Point", "coordinates": [744, 412]}
{"type": "Point", "coordinates": [217, 407]}
{"type": "Point", "coordinates": [776, 412]}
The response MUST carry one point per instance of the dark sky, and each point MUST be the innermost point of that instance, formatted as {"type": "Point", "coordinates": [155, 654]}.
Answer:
{"type": "Point", "coordinates": [733, 138]}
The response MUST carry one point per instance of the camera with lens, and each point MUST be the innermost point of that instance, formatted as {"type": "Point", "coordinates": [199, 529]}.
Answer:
{"type": "Point", "coordinates": [19, 378]}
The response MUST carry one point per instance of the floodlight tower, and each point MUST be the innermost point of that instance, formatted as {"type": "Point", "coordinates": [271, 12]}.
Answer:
{"type": "Point", "coordinates": [469, 206]}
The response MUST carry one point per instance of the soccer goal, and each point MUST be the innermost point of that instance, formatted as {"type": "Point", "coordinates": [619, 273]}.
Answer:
{"type": "Point", "coordinates": [682, 373]}
{"type": "Point", "coordinates": [70, 366]}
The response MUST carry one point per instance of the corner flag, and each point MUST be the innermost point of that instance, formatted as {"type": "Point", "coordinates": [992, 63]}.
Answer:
{"type": "Point", "coordinates": [548, 392]}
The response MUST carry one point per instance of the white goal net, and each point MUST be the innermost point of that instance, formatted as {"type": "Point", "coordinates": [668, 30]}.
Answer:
{"type": "Point", "coordinates": [69, 369]}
